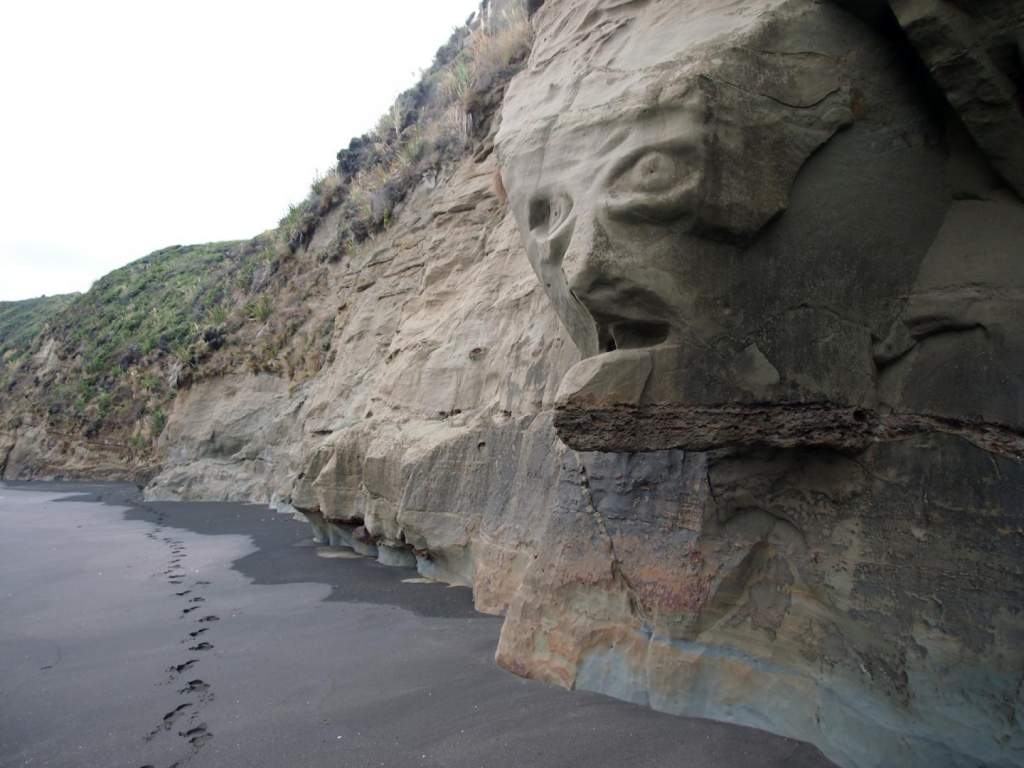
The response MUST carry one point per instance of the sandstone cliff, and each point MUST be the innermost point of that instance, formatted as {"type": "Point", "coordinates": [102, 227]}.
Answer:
{"type": "Point", "coordinates": [742, 528]}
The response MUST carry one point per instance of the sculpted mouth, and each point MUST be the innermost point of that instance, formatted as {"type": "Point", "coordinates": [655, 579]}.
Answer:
{"type": "Point", "coordinates": [625, 316]}
{"type": "Point", "coordinates": [618, 333]}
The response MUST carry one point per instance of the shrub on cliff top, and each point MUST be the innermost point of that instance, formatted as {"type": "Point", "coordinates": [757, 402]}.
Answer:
{"type": "Point", "coordinates": [429, 125]}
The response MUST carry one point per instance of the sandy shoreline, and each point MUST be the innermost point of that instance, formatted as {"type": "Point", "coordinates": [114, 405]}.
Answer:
{"type": "Point", "coordinates": [212, 635]}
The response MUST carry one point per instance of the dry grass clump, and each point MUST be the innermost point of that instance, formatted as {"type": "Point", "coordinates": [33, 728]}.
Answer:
{"type": "Point", "coordinates": [502, 40]}
{"type": "Point", "coordinates": [428, 126]}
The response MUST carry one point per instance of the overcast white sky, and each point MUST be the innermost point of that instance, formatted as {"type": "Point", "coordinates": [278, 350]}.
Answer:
{"type": "Point", "coordinates": [129, 126]}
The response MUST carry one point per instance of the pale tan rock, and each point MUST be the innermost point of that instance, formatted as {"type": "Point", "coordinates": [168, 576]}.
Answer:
{"type": "Point", "coordinates": [225, 440]}
{"type": "Point", "coordinates": [431, 429]}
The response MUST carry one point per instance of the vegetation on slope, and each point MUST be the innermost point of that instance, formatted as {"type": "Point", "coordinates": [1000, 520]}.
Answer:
{"type": "Point", "coordinates": [121, 348]}
{"type": "Point", "coordinates": [110, 361]}
{"type": "Point", "coordinates": [427, 127]}
{"type": "Point", "coordinates": [21, 322]}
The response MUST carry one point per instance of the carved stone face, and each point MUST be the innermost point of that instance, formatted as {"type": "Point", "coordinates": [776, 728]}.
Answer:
{"type": "Point", "coordinates": [729, 209]}
{"type": "Point", "coordinates": [760, 230]}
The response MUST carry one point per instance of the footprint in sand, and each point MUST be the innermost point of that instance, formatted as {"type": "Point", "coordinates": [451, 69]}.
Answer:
{"type": "Point", "coordinates": [198, 632]}
{"type": "Point", "coordinates": [187, 611]}
{"type": "Point", "coordinates": [183, 593]}
{"type": "Point", "coordinates": [209, 618]}
{"type": "Point", "coordinates": [204, 646]}
{"type": "Point", "coordinates": [173, 715]}
{"type": "Point", "coordinates": [197, 736]}
{"type": "Point", "coordinates": [195, 686]}
{"type": "Point", "coordinates": [177, 669]}
{"type": "Point", "coordinates": [168, 720]}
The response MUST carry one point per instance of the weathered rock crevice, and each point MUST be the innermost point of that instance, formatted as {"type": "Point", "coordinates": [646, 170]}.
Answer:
{"type": "Point", "coordinates": [618, 574]}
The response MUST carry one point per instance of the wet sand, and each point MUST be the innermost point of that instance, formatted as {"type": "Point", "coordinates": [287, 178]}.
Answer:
{"type": "Point", "coordinates": [158, 635]}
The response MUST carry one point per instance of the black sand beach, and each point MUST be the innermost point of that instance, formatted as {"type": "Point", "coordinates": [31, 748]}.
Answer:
{"type": "Point", "coordinates": [213, 635]}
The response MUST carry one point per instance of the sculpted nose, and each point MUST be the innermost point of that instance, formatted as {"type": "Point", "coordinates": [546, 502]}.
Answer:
{"type": "Point", "coordinates": [585, 263]}
{"type": "Point", "coordinates": [575, 253]}
{"type": "Point", "coordinates": [577, 249]}
{"type": "Point", "coordinates": [563, 240]}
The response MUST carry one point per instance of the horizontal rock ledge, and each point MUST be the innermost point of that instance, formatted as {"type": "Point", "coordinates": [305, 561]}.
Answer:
{"type": "Point", "coordinates": [657, 427]}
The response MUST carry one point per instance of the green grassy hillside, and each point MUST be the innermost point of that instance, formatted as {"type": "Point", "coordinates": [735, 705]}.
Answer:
{"type": "Point", "coordinates": [22, 321]}
{"type": "Point", "coordinates": [116, 354]}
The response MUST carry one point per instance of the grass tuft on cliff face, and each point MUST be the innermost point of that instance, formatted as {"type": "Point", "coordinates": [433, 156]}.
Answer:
{"type": "Point", "coordinates": [428, 126]}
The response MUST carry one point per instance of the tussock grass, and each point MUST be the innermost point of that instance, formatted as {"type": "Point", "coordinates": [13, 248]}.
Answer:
{"type": "Point", "coordinates": [429, 125]}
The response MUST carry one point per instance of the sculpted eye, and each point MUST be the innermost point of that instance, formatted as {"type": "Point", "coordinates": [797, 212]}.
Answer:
{"type": "Point", "coordinates": [654, 186]}
{"type": "Point", "coordinates": [653, 172]}
{"type": "Point", "coordinates": [548, 212]}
